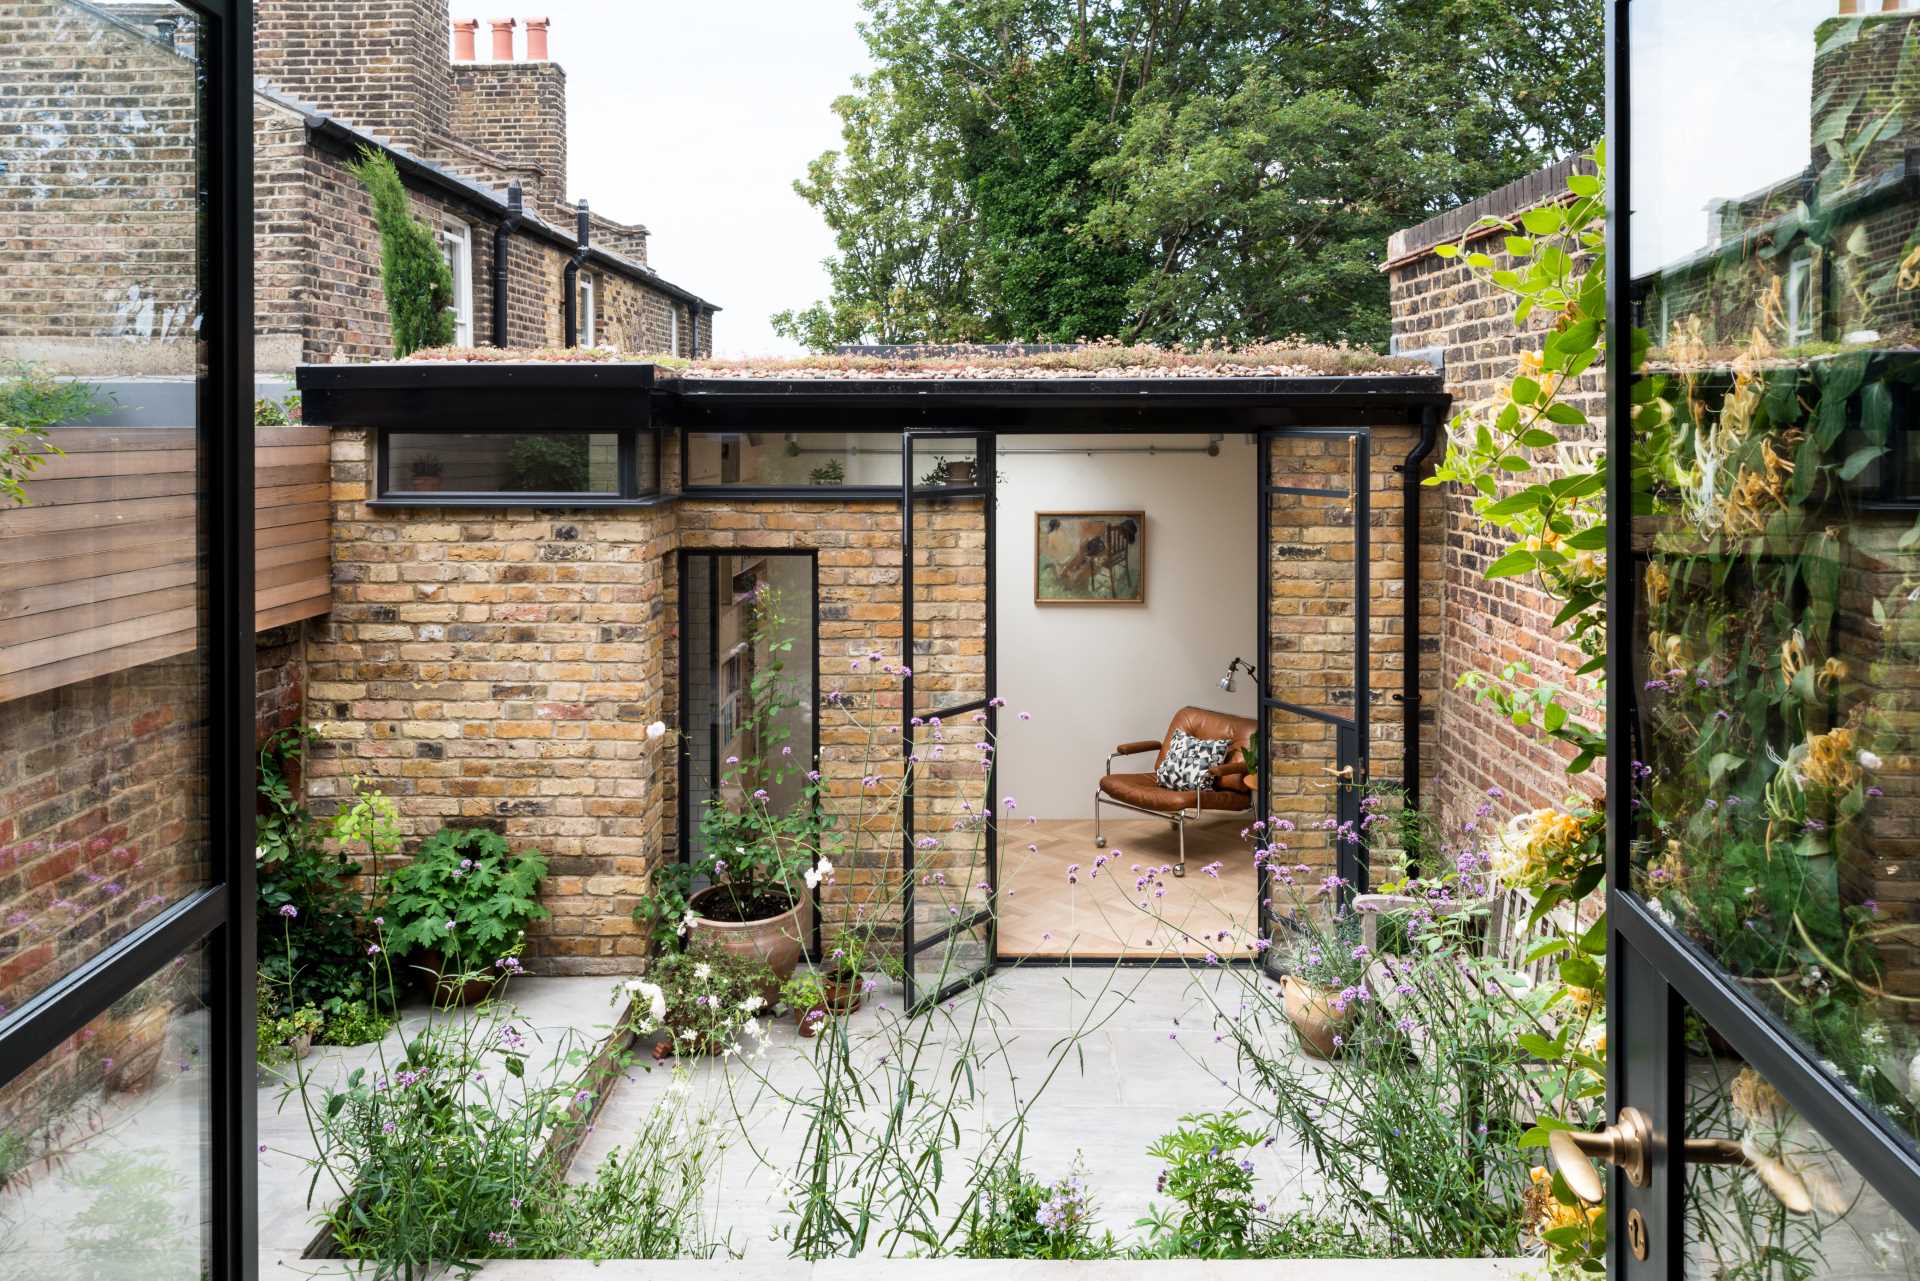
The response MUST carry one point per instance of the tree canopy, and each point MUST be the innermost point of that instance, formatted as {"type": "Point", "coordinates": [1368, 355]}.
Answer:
{"type": "Point", "coordinates": [1173, 171]}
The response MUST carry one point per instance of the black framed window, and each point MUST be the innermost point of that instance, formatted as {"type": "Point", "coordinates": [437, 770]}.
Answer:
{"type": "Point", "coordinates": [126, 681]}
{"type": "Point", "coordinates": [520, 468]}
{"type": "Point", "coordinates": [817, 463]}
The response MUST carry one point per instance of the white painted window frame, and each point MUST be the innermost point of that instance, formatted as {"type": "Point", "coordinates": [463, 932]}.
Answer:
{"type": "Point", "coordinates": [456, 241]}
{"type": "Point", "coordinates": [587, 336]}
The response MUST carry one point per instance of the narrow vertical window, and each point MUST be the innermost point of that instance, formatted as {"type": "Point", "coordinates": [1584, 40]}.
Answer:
{"type": "Point", "coordinates": [456, 241]}
{"type": "Point", "coordinates": [586, 311]}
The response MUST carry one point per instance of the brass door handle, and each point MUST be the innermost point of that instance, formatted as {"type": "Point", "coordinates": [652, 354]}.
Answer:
{"type": "Point", "coordinates": [1628, 1143]}
{"type": "Point", "coordinates": [1345, 772]}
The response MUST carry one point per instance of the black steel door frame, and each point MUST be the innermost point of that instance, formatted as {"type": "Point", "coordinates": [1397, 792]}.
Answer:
{"type": "Point", "coordinates": [1352, 734]}
{"type": "Point", "coordinates": [221, 915]}
{"type": "Point", "coordinates": [1653, 974]}
{"type": "Point", "coordinates": [985, 444]}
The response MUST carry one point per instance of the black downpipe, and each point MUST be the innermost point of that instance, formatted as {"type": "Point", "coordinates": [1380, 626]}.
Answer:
{"type": "Point", "coordinates": [502, 235]}
{"type": "Point", "coordinates": [571, 276]}
{"type": "Point", "coordinates": [1410, 602]}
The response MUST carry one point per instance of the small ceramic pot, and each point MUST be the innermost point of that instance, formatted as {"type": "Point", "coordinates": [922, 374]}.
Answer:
{"type": "Point", "coordinates": [810, 1020]}
{"type": "Point", "coordinates": [1310, 1010]}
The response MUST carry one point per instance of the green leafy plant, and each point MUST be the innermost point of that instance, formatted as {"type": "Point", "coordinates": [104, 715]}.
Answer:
{"type": "Point", "coordinates": [552, 464]}
{"type": "Point", "coordinates": [1013, 1215]}
{"type": "Point", "coordinates": [312, 943]}
{"type": "Point", "coordinates": [414, 274]}
{"type": "Point", "coordinates": [465, 900]}
{"type": "Point", "coordinates": [831, 472]}
{"type": "Point", "coordinates": [427, 465]}
{"type": "Point", "coordinates": [1208, 1172]}
{"type": "Point", "coordinates": [356, 1023]}
{"type": "Point", "coordinates": [275, 1033]}
{"type": "Point", "coordinates": [704, 1000]}
{"type": "Point", "coordinates": [31, 401]}
{"type": "Point", "coordinates": [285, 412]}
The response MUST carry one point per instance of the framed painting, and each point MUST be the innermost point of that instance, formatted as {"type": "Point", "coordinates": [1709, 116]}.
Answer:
{"type": "Point", "coordinates": [1089, 558]}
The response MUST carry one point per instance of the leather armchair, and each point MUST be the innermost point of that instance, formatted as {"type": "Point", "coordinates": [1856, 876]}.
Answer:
{"type": "Point", "coordinates": [1142, 793]}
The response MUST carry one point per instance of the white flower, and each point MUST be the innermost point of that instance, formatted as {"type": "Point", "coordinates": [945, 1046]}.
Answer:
{"type": "Point", "coordinates": [657, 731]}
{"type": "Point", "coordinates": [754, 1030]}
{"type": "Point", "coordinates": [686, 922]}
{"type": "Point", "coordinates": [655, 998]}
{"type": "Point", "coordinates": [1868, 760]}
{"type": "Point", "coordinates": [817, 873]}
{"type": "Point", "coordinates": [703, 972]}
{"type": "Point", "coordinates": [687, 1035]}
{"type": "Point", "coordinates": [753, 1003]}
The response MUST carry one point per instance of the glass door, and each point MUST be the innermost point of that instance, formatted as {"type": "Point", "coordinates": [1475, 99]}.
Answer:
{"type": "Point", "coordinates": [1313, 663]}
{"type": "Point", "coordinates": [1764, 650]}
{"type": "Point", "coordinates": [949, 712]}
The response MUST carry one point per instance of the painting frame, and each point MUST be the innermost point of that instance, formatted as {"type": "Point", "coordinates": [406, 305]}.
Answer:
{"type": "Point", "coordinates": [1060, 548]}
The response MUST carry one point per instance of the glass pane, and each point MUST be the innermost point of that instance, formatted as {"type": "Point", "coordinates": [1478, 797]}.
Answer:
{"type": "Point", "coordinates": [104, 1151]}
{"type": "Point", "coordinates": [103, 679]}
{"type": "Point", "coordinates": [870, 458]}
{"type": "Point", "coordinates": [950, 854]}
{"type": "Point", "coordinates": [958, 956]}
{"type": "Point", "coordinates": [646, 463]}
{"type": "Point", "coordinates": [544, 462]}
{"type": "Point", "coordinates": [949, 645]}
{"type": "Point", "coordinates": [1737, 1227]}
{"type": "Point", "coordinates": [1778, 560]}
{"type": "Point", "coordinates": [749, 653]}
{"type": "Point", "coordinates": [943, 461]}
{"type": "Point", "coordinates": [1310, 573]}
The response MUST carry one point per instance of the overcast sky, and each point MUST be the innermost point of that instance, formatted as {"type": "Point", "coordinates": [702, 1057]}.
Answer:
{"type": "Point", "coordinates": [694, 119]}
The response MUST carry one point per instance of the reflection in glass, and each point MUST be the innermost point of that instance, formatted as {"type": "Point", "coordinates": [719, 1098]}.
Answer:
{"type": "Point", "coordinates": [1737, 1227]}
{"type": "Point", "coordinates": [749, 635]}
{"type": "Point", "coordinates": [103, 679]}
{"type": "Point", "coordinates": [545, 462]}
{"type": "Point", "coordinates": [104, 1143]}
{"type": "Point", "coordinates": [1778, 619]}
{"type": "Point", "coordinates": [823, 459]}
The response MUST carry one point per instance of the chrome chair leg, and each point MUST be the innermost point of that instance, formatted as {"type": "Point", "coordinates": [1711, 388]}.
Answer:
{"type": "Point", "coordinates": [1099, 840]}
{"type": "Point", "coordinates": [1180, 825]}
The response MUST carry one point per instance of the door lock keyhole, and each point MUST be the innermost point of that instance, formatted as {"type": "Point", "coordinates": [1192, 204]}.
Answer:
{"type": "Point", "coordinates": [1637, 1234]}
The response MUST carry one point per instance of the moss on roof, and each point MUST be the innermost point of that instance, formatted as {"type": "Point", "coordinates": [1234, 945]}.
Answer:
{"type": "Point", "coordinates": [1092, 360]}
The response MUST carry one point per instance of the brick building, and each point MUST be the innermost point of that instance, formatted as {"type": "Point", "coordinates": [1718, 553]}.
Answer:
{"type": "Point", "coordinates": [334, 77]}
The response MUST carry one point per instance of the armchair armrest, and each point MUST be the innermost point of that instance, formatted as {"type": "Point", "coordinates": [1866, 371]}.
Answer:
{"type": "Point", "coordinates": [1134, 749]}
{"type": "Point", "coordinates": [1231, 776]}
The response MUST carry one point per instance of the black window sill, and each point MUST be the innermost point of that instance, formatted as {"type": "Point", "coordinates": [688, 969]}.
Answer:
{"type": "Point", "coordinates": [545, 502]}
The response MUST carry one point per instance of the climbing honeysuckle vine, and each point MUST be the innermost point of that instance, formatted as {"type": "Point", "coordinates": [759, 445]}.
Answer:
{"type": "Point", "coordinates": [1536, 473]}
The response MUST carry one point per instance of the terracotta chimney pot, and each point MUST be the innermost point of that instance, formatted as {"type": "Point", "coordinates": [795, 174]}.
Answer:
{"type": "Point", "coordinates": [537, 39]}
{"type": "Point", "coordinates": [503, 38]}
{"type": "Point", "coordinates": [464, 30]}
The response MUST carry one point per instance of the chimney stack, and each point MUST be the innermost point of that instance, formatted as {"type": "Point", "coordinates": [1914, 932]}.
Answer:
{"type": "Point", "coordinates": [537, 39]}
{"type": "Point", "coordinates": [464, 30]}
{"type": "Point", "coordinates": [503, 38]}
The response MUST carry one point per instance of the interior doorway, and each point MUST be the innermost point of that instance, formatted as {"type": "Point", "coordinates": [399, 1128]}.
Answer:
{"type": "Point", "coordinates": [1126, 571]}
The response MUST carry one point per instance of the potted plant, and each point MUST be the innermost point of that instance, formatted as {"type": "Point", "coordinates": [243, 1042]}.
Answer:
{"type": "Point", "coordinates": [843, 971]}
{"type": "Point", "coordinates": [806, 998]}
{"type": "Point", "coordinates": [285, 1038]}
{"type": "Point", "coordinates": [831, 472]}
{"type": "Point", "coordinates": [700, 1000]}
{"type": "Point", "coordinates": [463, 906]}
{"type": "Point", "coordinates": [1325, 967]}
{"type": "Point", "coordinates": [749, 887]}
{"type": "Point", "coordinates": [427, 473]}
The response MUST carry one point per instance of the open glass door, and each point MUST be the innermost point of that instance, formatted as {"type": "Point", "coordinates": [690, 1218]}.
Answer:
{"type": "Point", "coordinates": [1764, 649]}
{"type": "Point", "coordinates": [949, 712]}
{"type": "Point", "coordinates": [1313, 654]}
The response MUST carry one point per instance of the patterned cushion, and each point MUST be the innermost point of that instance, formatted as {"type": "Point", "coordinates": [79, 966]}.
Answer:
{"type": "Point", "coordinates": [1187, 761]}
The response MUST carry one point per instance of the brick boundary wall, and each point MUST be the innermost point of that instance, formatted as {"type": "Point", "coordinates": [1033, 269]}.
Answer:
{"type": "Point", "coordinates": [1484, 624]}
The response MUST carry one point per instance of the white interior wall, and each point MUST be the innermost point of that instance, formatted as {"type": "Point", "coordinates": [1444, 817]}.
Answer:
{"type": "Point", "coordinates": [1094, 676]}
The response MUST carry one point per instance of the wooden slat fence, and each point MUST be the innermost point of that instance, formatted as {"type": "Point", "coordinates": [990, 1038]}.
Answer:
{"type": "Point", "coordinates": [101, 572]}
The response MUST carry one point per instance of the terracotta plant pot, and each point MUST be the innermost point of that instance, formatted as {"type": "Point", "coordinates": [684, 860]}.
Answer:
{"type": "Point", "coordinates": [811, 1020]}
{"type": "Point", "coordinates": [443, 985]}
{"type": "Point", "coordinates": [843, 995]}
{"type": "Point", "coordinates": [301, 1046]}
{"type": "Point", "coordinates": [959, 471]}
{"type": "Point", "coordinates": [780, 940]}
{"type": "Point", "coordinates": [1310, 1010]}
{"type": "Point", "coordinates": [426, 484]}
